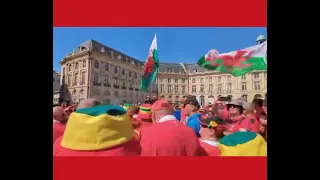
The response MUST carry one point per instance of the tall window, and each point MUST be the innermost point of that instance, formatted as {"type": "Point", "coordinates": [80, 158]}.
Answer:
{"type": "Point", "coordinates": [210, 88]}
{"type": "Point", "coordinates": [244, 86]}
{"type": "Point", "coordinates": [229, 88]}
{"type": "Point", "coordinates": [243, 77]}
{"type": "Point", "coordinates": [255, 75]}
{"type": "Point", "coordinates": [169, 80]}
{"type": "Point", "coordinates": [183, 89]}
{"type": "Point", "coordinates": [219, 79]}
{"type": "Point", "coordinates": [175, 80]}
{"type": "Point", "coordinates": [229, 78]}
{"type": "Point", "coordinates": [169, 88]}
{"type": "Point", "coordinates": [193, 80]}
{"type": "Point", "coordinates": [83, 77]}
{"type": "Point", "coordinates": [161, 88]}
{"type": "Point", "coordinates": [201, 80]}
{"type": "Point", "coordinates": [219, 88]}
{"type": "Point", "coordinates": [210, 79]}
{"type": "Point", "coordinates": [96, 77]}
{"type": "Point", "coordinates": [194, 88]}
{"type": "Point", "coordinates": [96, 64]}
{"type": "Point", "coordinates": [176, 89]}
{"type": "Point", "coordinates": [257, 85]}
{"type": "Point", "coordinates": [201, 88]}
{"type": "Point", "coordinates": [201, 100]}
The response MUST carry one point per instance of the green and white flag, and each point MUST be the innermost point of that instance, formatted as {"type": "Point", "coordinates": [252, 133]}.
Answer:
{"type": "Point", "coordinates": [238, 62]}
{"type": "Point", "coordinates": [151, 66]}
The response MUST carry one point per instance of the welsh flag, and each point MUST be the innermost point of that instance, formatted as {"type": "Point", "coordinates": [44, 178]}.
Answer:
{"type": "Point", "coordinates": [237, 62]}
{"type": "Point", "coordinates": [151, 66]}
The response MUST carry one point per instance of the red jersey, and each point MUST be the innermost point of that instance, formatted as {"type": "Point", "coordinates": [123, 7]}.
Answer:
{"type": "Point", "coordinates": [209, 149]}
{"type": "Point", "coordinates": [130, 148]}
{"type": "Point", "coordinates": [169, 138]}
{"type": "Point", "coordinates": [249, 123]}
{"type": "Point", "coordinates": [58, 130]}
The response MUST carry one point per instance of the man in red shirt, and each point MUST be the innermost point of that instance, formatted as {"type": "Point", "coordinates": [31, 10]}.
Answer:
{"type": "Point", "coordinates": [250, 122]}
{"type": "Point", "coordinates": [168, 137]}
{"type": "Point", "coordinates": [59, 121]}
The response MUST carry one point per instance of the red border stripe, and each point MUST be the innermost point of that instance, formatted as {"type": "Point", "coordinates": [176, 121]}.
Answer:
{"type": "Point", "coordinates": [160, 13]}
{"type": "Point", "coordinates": [146, 168]}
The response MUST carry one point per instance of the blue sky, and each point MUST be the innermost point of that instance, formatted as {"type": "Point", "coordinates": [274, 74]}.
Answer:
{"type": "Point", "coordinates": [185, 45]}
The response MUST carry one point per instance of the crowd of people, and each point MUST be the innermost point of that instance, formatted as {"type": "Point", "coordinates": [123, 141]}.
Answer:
{"type": "Point", "coordinates": [160, 128]}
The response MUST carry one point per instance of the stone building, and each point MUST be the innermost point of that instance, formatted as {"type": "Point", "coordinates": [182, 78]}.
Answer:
{"type": "Point", "coordinates": [178, 80]}
{"type": "Point", "coordinates": [94, 70]}
{"type": "Point", "coordinates": [56, 86]}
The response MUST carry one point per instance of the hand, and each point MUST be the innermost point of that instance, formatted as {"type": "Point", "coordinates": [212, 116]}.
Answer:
{"type": "Point", "coordinates": [263, 122]}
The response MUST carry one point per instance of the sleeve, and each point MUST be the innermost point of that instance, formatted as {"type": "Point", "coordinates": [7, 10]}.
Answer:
{"type": "Point", "coordinates": [195, 125]}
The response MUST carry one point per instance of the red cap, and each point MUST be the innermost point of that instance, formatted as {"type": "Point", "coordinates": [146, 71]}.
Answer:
{"type": "Point", "coordinates": [161, 104]}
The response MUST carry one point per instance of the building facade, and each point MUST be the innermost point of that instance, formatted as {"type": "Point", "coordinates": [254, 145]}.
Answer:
{"type": "Point", "coordinates": [97, 71]}
{"type": "Point", "coordinates": [56, 86]}
{"type": "Point", "coordinates": [178, 80]}
{"type": "Point", "coordinates": [94, 70]}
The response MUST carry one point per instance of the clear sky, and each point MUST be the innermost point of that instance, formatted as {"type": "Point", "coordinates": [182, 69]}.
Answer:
{"type": "Point", "coordinates": [185, 45]}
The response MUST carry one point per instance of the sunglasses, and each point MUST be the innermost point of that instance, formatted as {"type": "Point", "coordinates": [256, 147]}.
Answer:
{"type": "Point", "coordinates": [233, 106]}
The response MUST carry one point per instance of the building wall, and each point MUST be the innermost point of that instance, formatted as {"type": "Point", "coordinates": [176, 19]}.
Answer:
{"type": "Point", "coordinates": [94, 70]}
{"type": "Point", "coordinates": [207, 85]}
{"type": "Point", "coordinates": [104, 75]}
{"type": "Point", "coordinates": [56, 81]}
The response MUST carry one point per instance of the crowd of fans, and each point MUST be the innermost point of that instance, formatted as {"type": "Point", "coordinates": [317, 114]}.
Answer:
{"type": "Point", "coordinates": [160, 128]}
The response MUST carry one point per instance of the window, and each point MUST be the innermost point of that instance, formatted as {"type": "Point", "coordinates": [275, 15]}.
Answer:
{"type": "Point", "coordinates": [106, 67]}
{"type": "Point", "coordinates": [106, 78]}
{"type": "Point", "coordinates": [183, 81]}
{"type": "Point", "coordinates": [243, 77]}
{"type": "Point", "coordinates": [244, 86]}
{"type": "Point", "coordinates": [175, 80]}
{"type": "Point", "coordinates": [201, 88]}
{"type": "Point", "coordinates": [84, 63]}
{"type": "Point", "coordinates": [123, 72]}
{"type": "Point", "coordinates": [176, 89]}
{"type": "Point", "coordinates": [210, 79]}
{"type": "Point", "coordinates": [169, 80]}
{"type": "Point", "coordinates": [257, 85]}
{"type": "Point", "coordinates": [129, 74]}
{"type": "Point", "coordinates": [77, 65]}
{"type": "Point", "coordinates": [245, 97]}
{"type": "Point", "coordinates": [169, 70]}
{"type": "Point", "coordinates": [115, 69]}
{"type": "Point", "coordinates": [194, 88]}
{"type": "Point", "coordinates": [229, 88]}
{"type": "Point", "coordinates": [96, 77]}
{"type": "Point", "coordinates": [69, 79]}
{"type": "Point", "coordinates": [96, 64]}
{"type": "Point", "coordinates": [169, 88]}
{"type": "Point", "coordinates": [201, 80]}
{"type": "Point", "coordinates": [255, 75]}
{"type": "Point", "coordinates": [201, 100]}
{"type": "Point", "coordinates": [161, 88]}
{"type": "Point", "coordinates": [135, 75]}
{"type": "Point", "coordinates": [210, 88]}
{"type": "Point", "coordinates": [195, 70]}
{"type": "Point", "coordinates": [183, 89]}
{"type": "Point", "coordinates": [63, 71]}
{"type": "Point", "coordinates": [69, 67]}
{"type": "Point", "coordinates": [219, 88]}
{"type": "Point", "coordinates": [229, 78]}
{"type": "Point", "coordinates": [193, 80]}
{"type": "Point", "coordinates": [219, 79]}
{"type": "Point", "coordinates": [83, 77]}
{"type": "Point", "coordinates": [75, 82]}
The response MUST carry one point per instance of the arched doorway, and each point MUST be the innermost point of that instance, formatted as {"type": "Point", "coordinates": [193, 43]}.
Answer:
{"type": "Point", "coordinates": [245, 97]}
{"type": "Point", "coordinates": [257, 96]}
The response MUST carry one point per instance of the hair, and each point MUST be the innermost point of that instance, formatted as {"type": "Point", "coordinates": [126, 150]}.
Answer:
{"type": "Point", "coordinates": [55, 105]}
{"type": "Point", "coordinates": [218, 131]}
{"type": "Point", "coordinates": [135, 124]}
{"type": "Point", "coordinates": [258, 102]}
